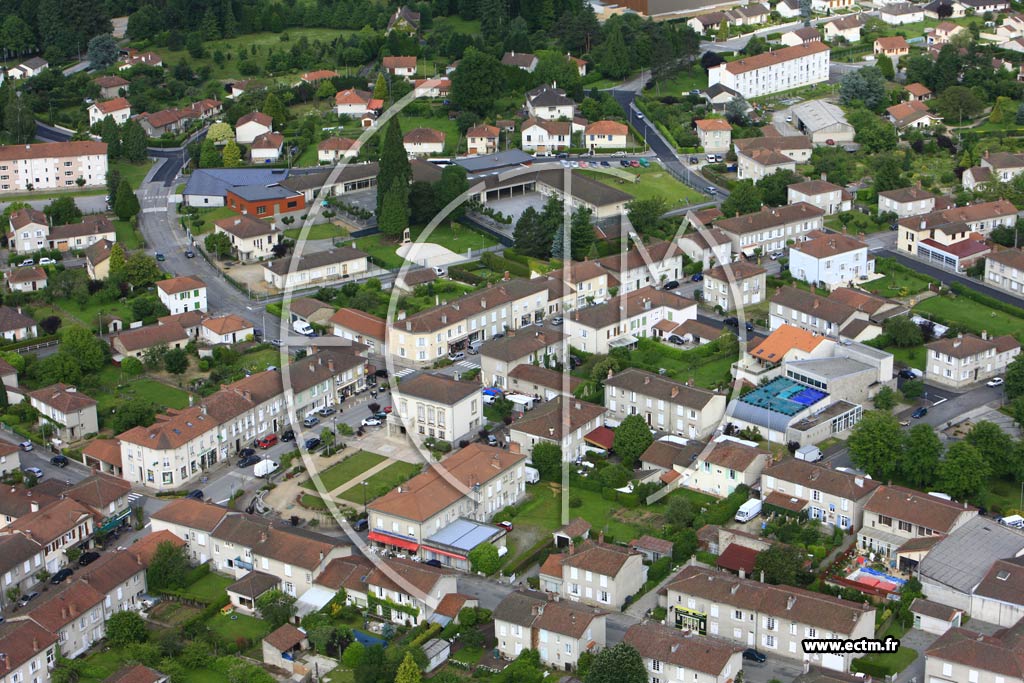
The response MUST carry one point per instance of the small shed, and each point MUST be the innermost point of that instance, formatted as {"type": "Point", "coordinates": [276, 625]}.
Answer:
{"type": "Point", "coordinates": [935, 618]}
{"type": "Point", "coordinates": [738, 559]}
{"type": "Point", "coordinates": [244, 592]}
{"type": "Point", "coordinates": [283, 645]}
{"type": "Point", "coordinates": [437, 652]}
{"type": "Point", "coordinates": [653, 549]}
{"type": "Point", "coordinates": [577, 528]}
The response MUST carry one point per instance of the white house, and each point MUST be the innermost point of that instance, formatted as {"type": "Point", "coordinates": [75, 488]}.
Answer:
{"type": "Point", "coordinates": [118, 109]}
{"type": "Point", "coordinates": [715, 135]}
{"type": "Point", "coordinates": [404, 66]}
{"type": "Point", "coordinates": [831, 259]}
{"type": "Point", "coordinates": [251, 126]}
{"type": "Point", "coordinates": [320, 267]}
{"type": "Point", "coordinates": [225, 329]}
{"type": "Point", "coordinates": [541, 135]}
{"type": "Point", "coordinates": [775, 71]}
{"type": "Point", "coordinates": [549, 102]}
{"type": "Point", "coordinates": [423, 142]}
{"type": "Point", "coordinates": [605, 135]}
{"type": "Point", "coordinates": [334, 149]}
{"type": "Point", "coordinates": [181, 294]}
{"type": "Point", "coordinates": [440, 407]}
{"type": "Point", "coordinates": [826, 196]}
{"type": "Point", "coordinates": [266, 148]}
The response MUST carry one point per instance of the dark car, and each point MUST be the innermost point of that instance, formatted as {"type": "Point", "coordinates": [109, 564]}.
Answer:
{"type": "Point", "coordinates": [381, 415]}
{"type": "Point", "coordinates": [246, 452]}
{"type": "Point", "coordinates": [313, 443]}
{"type": "Point", "coordinates": [753, 655]}
{"type": "Point", "coordinates": [575, 361]}
{"type": "Point", "coordinates": [919, 413]}
{"type": "Point", "coordinates": [160, 257]}
{"type": "Point", "coordinates": [433, 563]}
{"type": "Point", "coordinates": [189, 253]}
{"type": "Point", "coordinates": [195, 494]}
{"type": "Point", "coordinates": [382, 373]}
{"type": "Point", "coordinates": [61, 575]}
{"type": "Point", "coordinates": [696, 277]}
{"type": "Point", "coordinates": [749, 326]}
{"type": "Point", "coordinates": [289, 435]}
{"type": "Point", "coordinates": [88, 558]}
{"type": "Point", "coordinates": [675, 339]}
{"type": "Point", "coordinates": [59, 460]}
{"type": "Point", "coordinates": [907, 373]}
{"type": "Point", "coordinates": [670, 285]}
{"type": "Point", "coordinates": [249, 460]}
{"type": "Point", "coordinates": [732, 322]}
{"type": "Point", "coordinates": [360, 525]}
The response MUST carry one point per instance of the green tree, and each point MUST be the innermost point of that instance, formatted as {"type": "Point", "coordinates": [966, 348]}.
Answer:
{"type": "Point", "coordinates": [632, 437]}
{"type": "Point", "coordinates": [903, 331]}
{"type": "Point", "coordinates": [866, 86]}
{"type": "Point", "coordinates": [232, 155]}
{"type": "Point", "coordinates": [220, 132]}
{"type": "Point", "coordinates": [484, 559]}
{"type": "Point", "coordinates": [130, 414]}
{"type": "Point", "coordinates": [63, 211]}
{"type": "Point", "coordinates": [82, 345]}
{"type": "Point", "coordinates": [325, 90]}
{"type": "Point", "coordinates": [354, 655]}
{"type": "Point", "coordinates": [276, 607]}
{"type": "Point", "coordinates": [393, 218]}
{"type": "Point", "coordinates": [141, 270]}
{"type": "Point", "coordinates": [886, 68]}
{"type": "Point", "coordinates": [547, 459]}
{"type": "Point", "coordinates": [780, 563]}
{"type": "Point", "coordinates": [176, 361]}
{"type": "Point", "coordinates": [614, 476]}
{"type": "Point", "coordinates": [209, 155]}
{"type": "Point", "coordinates": [962, 473]}
{"type": "Point", "coordinates": [319, 629]}
{"type": "Point", "coordinates": [885, 399]}
{"type": "Point", "coordinates": [380, 88]}
{"type": "Point", "coordinates": [127, 204]}
{"type": "Point", "coordinates": [919, 458]}
{"type": "Point", "coordinates": [874, 441]}
{"type": "Point", "coordinates": [745, 197]}
{"type": "Point", "coordinates": [1013, 380]}
{"type": "Point", "coordinates": [133, 141]}
{"type": "Point", "coordinates": [888, 174]}
{"type": "Point", "coordinates": [736, 111]}
{"type": "Point", "coordinates": [913, 389]}
{"type": "Point", "coordinates": [218, 245]}
{"type": "Point", "coordinates": [408, 670]}
{"type": "Point", "coordinates": [996, 446]}
{"type": "Point", "coordinates": [275, 109]}
{"type": "Point", "coordinates": [131, 366]}
{"type": "Point", "coordinates": [723, 32]}
{"type": "Point", "coordinates": [612, 56]}
{"type": "Point", "coordinates": [645, 214]}
{"type": "Point", "coordinates": [16, 35]}
{"type": "Point", "coordinates": [478, 83]}
{"type": "Point", "coordinates": [169, 567]}
{"type": "Point", "coordinates": [126, 627]}
{"type": "Point", "coordinates": [617, 664]}
{"type": "Point", "coordinates": [454, 182]}
{"type": "Point", "coordinates": [395, 171]}
{"type": "Point", "coordinates": [19, 120]}
{"type": "Point", "coordinates": [775, 187]}
{"type": "Point", "coordinates": [875, 134]}
{"type": "Point", "coordinates": [956, 103]}
{"type": "Point", "coordinates": [680, 513]}
{"type": "Point", "coordinates": [102, 51]}
{"type": "Point", "coordinates": [110, 133]}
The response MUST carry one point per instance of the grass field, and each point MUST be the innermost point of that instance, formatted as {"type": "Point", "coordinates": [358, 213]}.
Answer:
{"type": "Point", "coordinates": [231, 626]}
{"type": "Point", "coordinates": [653, 182]}
{"type": "Point", "coordinates": [913, 356]}
{"type": "Point", "coordinates": [543, 513]}
{"type": "Point", "coordinates": [682, 83]}
{"type": "Point", "coordinates": [455, 237]}
{"type": "Point", "coordinates": [897, 284]}
{"type": "Point", "coordinates": [890, 663]}
{"type": "Point", "coordinates": [1003, 496]}
{"type": "Point", "coordinates": [452, 137]}
{"type": "Point", "coordinates": [320, 231]}
{"type": "Point", "coordinates": [133, 173]}
{"type": "Point", "coordinates": [209, 588]}
{"type": "Point", "coordinates": [346, 470]}
{"type": "Point", "coordinates": [975, 316]}
{"type": "Point", "coordinates": [127, 236]}
{"type": "Point", "coordinates": [382, 482]}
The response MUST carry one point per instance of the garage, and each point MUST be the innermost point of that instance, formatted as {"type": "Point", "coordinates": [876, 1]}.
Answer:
{"type": "Point", "coordinates": [834, 662]}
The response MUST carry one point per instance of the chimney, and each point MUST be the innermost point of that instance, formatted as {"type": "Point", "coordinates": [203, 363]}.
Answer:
{"type": "Point", "coordinates": [600, 536]}
{"type": "Point", "coordinates": [34, 506]}
{"type": "Point", "coordinates": [35, 644]}
{"type": "Point", "coordinates": [579, 406]}
{"type": "Point", "coordinates": [674, 392]}
{"type": "Point", "coordinates": [610, 373]}
{"type": "Point", "coordinates": [824, 177]}
{"type": "Point", "coordinates": [743, 573]}
{"type": "Point", "coordinates": [330, 364]}
{"type": "Point", "coordinates": [790, 601]}
{"type": "Point", "coordinates": [263, 537]}
{"type": "Point", "coordinates": [63, 612]}
{"type": "Point", "coordinates": [551, 431]}
{"type": "Point", "coordinates": [647, 379]}
{"type": "Point", "coordinates": [247, 395]}
{"type": "Point", "coordinates": [817, 303]}
{"type": "Point", "coordinates": [444, 318]}
{"type": "Point", "coordinates": [984, 335]}
{"type": "Point", "coordinates": [572, 547]}
{"type": "Point", "coordinates": [506, 277]}
{"type": "Point", "coordinates": [762, 577]}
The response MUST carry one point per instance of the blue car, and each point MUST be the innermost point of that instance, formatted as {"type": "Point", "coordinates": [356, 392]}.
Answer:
{"type": "Point", "coordinates": [697, 277]}
{"type": "Point", "coordinates": [919, 413]}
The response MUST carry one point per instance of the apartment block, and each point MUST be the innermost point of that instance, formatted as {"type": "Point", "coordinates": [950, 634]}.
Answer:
{"type": "Point", "coordinates": [665, 404]}
{"type": "Point", "coordinates": [967, 359]}
{"type": "Point", "coordinates": [832, 497]}
{"type": "Point", "coordinates": [771, 229]}
{"type": "Point", "coordinates": [52, 166]}
{"type": "Point", "coordinates": [774, 71]}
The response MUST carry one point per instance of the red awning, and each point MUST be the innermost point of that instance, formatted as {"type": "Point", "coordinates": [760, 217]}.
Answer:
{"type": "Point", "coordinates": [402, 543]}
{"type": "Point", "coordinates": [444, 552]}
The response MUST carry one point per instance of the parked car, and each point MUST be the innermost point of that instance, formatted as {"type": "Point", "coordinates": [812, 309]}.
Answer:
{"type": "Point", "coordinates": [732, 322]}
{"type": "Point", "coordinates": [28, 597]}
{"type": "Point", "coordinates": [249, 460]}
{"type": "Point", "coordinates": [60, 576]}
{"type": "Point", "coordinates": [670, 285]}
{"type": "Point", "coordinates": [59, 460]}
{"type": "Point", "coordinates": [775, 255]}
{"type": "Point", "coordinates": [47, 261]}
{"type": "Point", "coordinates": [557, 320]}
{"type": "Point", "coordinates": [267, 441]}
{"type": "Point", "coordinates": [457, 356]}
{"type": "Point", "coordinates": [160, 257]}
{"type": "Point", "coordinates": [644, 163]}
{"type": "Point", "coordinates": [26, 445]}
{"type": "Point", "coordinates": [433, 563]}
{"type": "Point", "coordinates": [624, 163]}
{"type": "Point", "coordinates": [575, 362]}
{"type": "Point", "coordinates": [752, 655]}
{"type": "Point", "coordinates": [246, 452]}
{"type": "Point", "coordinates": [919, 413]}
{"type": "Point", "coordinates": [325, 411]}
{"type": "Point", "coordinates": [697, 277]}
{"type": "Point", "coordinates": [288, 435]}
{"type": "Point", "coordinates": [492, 440]}
{"type": "Point", "coordinates": [311, 421]}
{"type": "Point", "coordinates": [313, 443]}
{"type": "Point", "coordinates": [675, 339]}
{"type": "Point", "coordinates": [189, 253]}
{"type": "Point", "coordinates": [88, 558]}
{"type": "Point", "coordinates": [507, 526]}
{"type": "Point", "coordinates": [995, 382]}
{"type": "Point", "coordinates": [195, 494]}
{"type": "Point", "coordinates": [635, 163]}
{"type": "Point", "coordinates": [907, 373]}
{"type": "Point", "coordinates": [606, 164]}
{"type": "Point", "coordinates": [360, 525]}
{"type": "Point", "coordinates": [371, 422]}
{"type": "Point", "coordinates": [34, 471]}
{"type": "Point", "coordinates": [711, 189]}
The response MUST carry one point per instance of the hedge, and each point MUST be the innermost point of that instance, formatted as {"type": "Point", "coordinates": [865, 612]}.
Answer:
{"type": "Point", "coordinates": [14, 346]}
{"type": "Point", "coordinates": [499, 264]}
{"type": "Point", "coordinates": [462, 275]}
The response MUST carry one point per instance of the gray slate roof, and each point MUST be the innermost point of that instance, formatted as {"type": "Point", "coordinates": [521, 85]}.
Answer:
{"type": "Point", "coordinates": [217, 181]}
{"type": "Point", "coordinates": [962, 559]}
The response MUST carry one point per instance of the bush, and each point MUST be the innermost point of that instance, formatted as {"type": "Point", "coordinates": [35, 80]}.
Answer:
{"type": "Point", "coordinates": [499, 265]}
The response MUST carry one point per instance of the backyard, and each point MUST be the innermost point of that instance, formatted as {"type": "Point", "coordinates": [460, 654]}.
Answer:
{"type": "Point", "coordinates": [127, 236]}
{"type": "Point", "coordinates": [652, 183]}
{"type": "Point", "coordinates": [452, 236]}
{"type": "Point", "coordinates": [897, 284]}
{"type": "Point", "coordinates": [974, 316]}
{"type": "Point", "coordinates": [231, 626]}
{"type": "Point", "coordinates": [133, 173]}
{"type": "Point", "coordinates": [380, 483]}
{"type": "Point", "coordinates": [209, 588]}
{"type": "Point", "coordinates": [320, 231]}
{"type": "Point", "coordinates": [345, 471]}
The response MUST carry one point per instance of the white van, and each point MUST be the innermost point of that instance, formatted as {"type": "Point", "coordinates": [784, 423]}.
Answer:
{"type": "Point", "coordinates": [265, 467]}
{"type": "Point", "coordinates": [749, 510]}
{"type": "Point", "coordinates": [302, 327]}
{"type": "Point", "coordinates": [808, 453]}
{"type": "Point", "coordinates": [532, 475]}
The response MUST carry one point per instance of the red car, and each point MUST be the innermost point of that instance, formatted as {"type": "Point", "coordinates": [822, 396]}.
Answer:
{"type": "Point", "coordinates": [387, 409]}
{"type": "Point", "coordinates": [507, 526]}
{"type": "Point", "coordinates": [267, 441]}
{"type": "Point", "coordinates": [634, 163]}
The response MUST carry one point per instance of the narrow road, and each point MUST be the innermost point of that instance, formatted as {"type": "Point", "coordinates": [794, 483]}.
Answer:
{"type": "Point", "coordinates": [947, 276]}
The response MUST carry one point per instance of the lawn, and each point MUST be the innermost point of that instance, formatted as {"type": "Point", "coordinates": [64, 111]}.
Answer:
{"type": "Point", "coordinates": [543, 513]}
{"type": "Point", "coordinates": [1002, 496]}
{"type": "Point", "coordinates": [320, 231]}
{"type": "Point", "coordinates": [974, 316]}
{"type": "Point", "coordinates": [313, 502]}
{"type": "Point", "coordinates": [469, 655]}
{"type": "Point", "coordinates": [231, 626]}
{"type": "Point", "coordinates": [455, 237]}
{"type": "Point", "coordinates": [382, 482]}
{"type": "Point", "coordinates": [912, 356]}
{"type": "Point", "coordinates": [654, 182]}
{"type": "Point", "coordinates": [209, 588]}
{"type": "Point", "coordinates": [157, 392]}
{"type": "Point", "coordinates": [127, 236]}
{"type": "Point", "coordinates": [203, 676]}
{"type": "Point", "coordinates": [346, 470]}
{"type": "Point", "coordinates": [890, 663]}
{"type": "Point", "coordinates": [133, 173]}
{"type": "Point", "coordinates": [706, 371]}
{"type": "Point", "coordinates": [896, 285]}
{"type": "Point", "coordinates": [340, 675]}
{"type": "Point", "coordinates": [450, 128]}
{"type": "Point", "coordinates": [308, 157]}
{"type": "Point", "coordinates": [682, 83]}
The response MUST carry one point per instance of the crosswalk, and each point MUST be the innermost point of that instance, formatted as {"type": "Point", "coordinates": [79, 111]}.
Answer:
{"type": "Point", "coordinates": [133, 496]}
{"type": "Point", "coordinates": [467, 365]}
{"type": "Point", "coordinates": [403, 373]}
